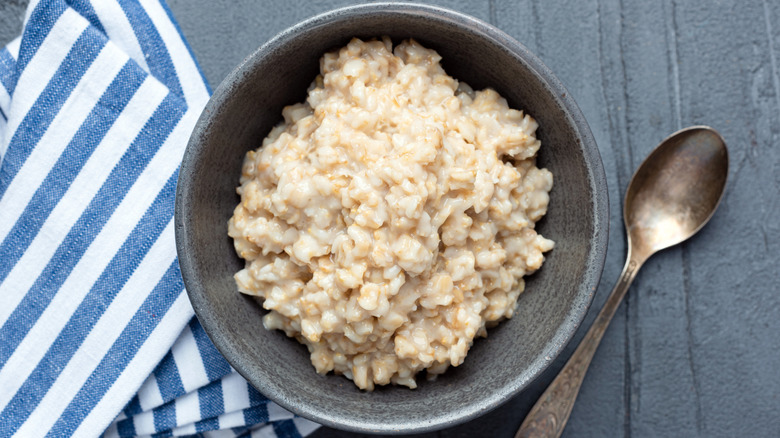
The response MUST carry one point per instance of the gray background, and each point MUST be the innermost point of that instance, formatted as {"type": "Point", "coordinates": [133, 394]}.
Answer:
{"type": "Point", "coordinates": [694, 350]}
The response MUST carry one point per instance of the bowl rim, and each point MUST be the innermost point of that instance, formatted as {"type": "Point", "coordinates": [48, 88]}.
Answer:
{"type": "Point", "coordinates": [596, 178]}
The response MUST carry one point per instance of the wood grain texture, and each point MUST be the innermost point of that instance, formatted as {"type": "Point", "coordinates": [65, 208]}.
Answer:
{"type": "Point", "coordinates": [694, 350]}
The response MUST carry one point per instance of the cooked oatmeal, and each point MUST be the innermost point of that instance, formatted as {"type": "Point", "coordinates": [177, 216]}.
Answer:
{"type": "Point", "coordinates": [390, 218]}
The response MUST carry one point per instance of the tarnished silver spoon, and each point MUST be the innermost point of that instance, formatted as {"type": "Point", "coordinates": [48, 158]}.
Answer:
{"type": "Point", "coordinates": [672, 195]}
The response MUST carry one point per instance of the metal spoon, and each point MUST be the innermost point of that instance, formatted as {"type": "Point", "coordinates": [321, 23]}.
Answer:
{"type": "Point", "coordinates": [672, 195]}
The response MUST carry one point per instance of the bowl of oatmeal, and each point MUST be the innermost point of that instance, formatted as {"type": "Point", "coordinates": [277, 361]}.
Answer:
{"type": "Point", "coordinates": [391, 218]}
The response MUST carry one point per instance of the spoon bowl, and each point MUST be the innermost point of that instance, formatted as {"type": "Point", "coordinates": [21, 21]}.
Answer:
{"type": "Point", "coordinates": [672, 195]}
{"type": "Point", "coordinates": [676, 189]}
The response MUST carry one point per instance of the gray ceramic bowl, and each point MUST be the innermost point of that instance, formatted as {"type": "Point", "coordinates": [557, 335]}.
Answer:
{"type": "Point", "coordinates": [249, 103]}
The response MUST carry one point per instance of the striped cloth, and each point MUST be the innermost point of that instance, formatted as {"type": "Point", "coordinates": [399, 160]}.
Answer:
{"type": "Point", "coordinates": [97, 336]}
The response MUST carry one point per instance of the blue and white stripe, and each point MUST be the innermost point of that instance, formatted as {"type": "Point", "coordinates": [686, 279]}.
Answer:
{"type": "Point", "coordinates": [97, 101]}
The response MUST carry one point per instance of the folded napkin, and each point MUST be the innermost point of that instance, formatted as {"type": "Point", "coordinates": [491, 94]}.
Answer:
{"type": "Point", "coordinates": [97, 336]}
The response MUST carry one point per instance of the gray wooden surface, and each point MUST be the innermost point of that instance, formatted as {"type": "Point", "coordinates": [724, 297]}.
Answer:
{"type": "Point", "coordinates": [695, 349]}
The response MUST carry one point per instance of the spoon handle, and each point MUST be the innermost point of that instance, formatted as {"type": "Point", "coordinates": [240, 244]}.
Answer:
{"type": "Point", "coordinates": [551, 412]}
